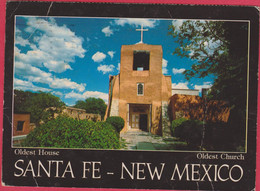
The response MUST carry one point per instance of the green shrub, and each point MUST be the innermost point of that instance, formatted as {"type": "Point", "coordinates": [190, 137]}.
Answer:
{"type": "Point", "coordinates": [117, 122]}
{"type": "Point", "coordinates": [176, 123]}
{"type": "Point", "coordinates": [64, 132]}
{"type": "Point", "coordinates": [191, 132]}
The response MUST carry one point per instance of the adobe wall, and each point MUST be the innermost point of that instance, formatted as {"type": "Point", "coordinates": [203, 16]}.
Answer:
{"type": "Point", "coordinates": [77, 113]}
{"type": "Point", "coordinates": [26, 126]}
{"type": "Point", "coordinates": [123, 87]}
{"type": "Point", "coordinates": [157, 87]}
{"type": "Point", "coordinates": [113, 99]}
{"type": "Point", "coordinates": [90, 116]}
{"type": "Point", "coordinates": [194, 107]}
{"type": "Point", "coordinates": [129, 78]}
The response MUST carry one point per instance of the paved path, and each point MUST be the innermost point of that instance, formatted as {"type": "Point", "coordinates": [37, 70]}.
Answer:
{"type": "Point", "coordinates": [141, 140]}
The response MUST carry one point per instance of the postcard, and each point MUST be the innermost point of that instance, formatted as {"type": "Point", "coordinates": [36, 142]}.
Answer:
{"type": "Point", "coordinates": [137, 96]}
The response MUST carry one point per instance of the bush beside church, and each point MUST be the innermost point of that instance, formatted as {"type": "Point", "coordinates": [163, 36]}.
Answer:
{"type": "Point", "coordinates": [204, 124]}
{"type": "Point", "coordinates": [117, 122]}
{"type": "Point", "coordinates": [201, 135]}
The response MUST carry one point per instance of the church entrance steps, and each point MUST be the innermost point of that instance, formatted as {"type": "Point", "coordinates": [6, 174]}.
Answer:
{"type": "Point", "coordinates": [141, 140]}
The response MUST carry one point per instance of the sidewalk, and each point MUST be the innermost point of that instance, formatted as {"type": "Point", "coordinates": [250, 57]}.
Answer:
{"type": "Point", "coordinates": [141, 140]}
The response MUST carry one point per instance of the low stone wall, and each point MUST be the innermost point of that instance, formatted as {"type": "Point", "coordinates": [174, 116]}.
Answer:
{"type": "Point", "coordinates": [79, 114]}
{"type": "Point", "coordinates": [90, 116]}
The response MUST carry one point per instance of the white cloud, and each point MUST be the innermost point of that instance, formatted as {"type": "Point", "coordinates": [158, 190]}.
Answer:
{"type": "Point", "coordinates": [164, 66]}
{"type": "Point", "coordinates": [74, 95]}
{"type": "Point", "coordinates": [118, 67]}
{"type": "Point", "coordinates": [32, 57]}
{"type": "Point", "coordinates": [70, 104]}
{"type": "Point", "coordinates": [52, 48]}
{"type": "Point", "coordinates": [98, 57]}
{"type": "Point", "coordinates": [55, 46]}
{"type": "Point", "coordinates": [65, 83]}
{"type": "Point", "coordinates": [180, 85]}
{"type": "Point", "coordinates": [18, 82]}
{"type": "Point", "coordinates": [164, 70]}
{"type": "Point", "coordinates": [151, 23]}
{"type": "Point", "coordinates": [107, 31]}
{"type": "Point", "coordinates": [210, 45]}
{"type": "Point", "coordinates": [23, 42]}
{"type": "Point", "coordinates": [164, 63]}
{"type": "Point", "coordinates": [34, 74]}
{"type": "Point", "coordinates": [204, 85]}
{"type": "Point", "coordinates": [17, 30]}
{"type": "Point", "coordinates": [27, 70]}
{"type": "Point", "coordinates": [106, 68]}
{"type": "Point", "coordinates": [111, 53]}
{"type": "Point", "coordinates": [49, 27]}
{"type": "Point", "coordinates": [57, 93]}
{"type": "Point", "coordinates": [57, 66]}
{"type": "Point", "coordinates": [177, 24]}
{"type": "Point", "coordinates": [27, 85]}
{"type": "Point", "coordinates": [178, 71]}
{"type": "Point", "coordinates": [88, 94]}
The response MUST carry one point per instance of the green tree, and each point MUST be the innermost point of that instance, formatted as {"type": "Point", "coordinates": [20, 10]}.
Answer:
{"type": "Point", "coordinates": [93, 105]}
{"type": "Point", "coordinates": [80, 104]}
{"type": "Point", "coordinates": [217, 48]}
{"type": "Point", "coordinates": [20, 98]}
{"type": "Point", "coordinates": [42, 106]}
{"type": "Point", "coordinates": [220, 49]}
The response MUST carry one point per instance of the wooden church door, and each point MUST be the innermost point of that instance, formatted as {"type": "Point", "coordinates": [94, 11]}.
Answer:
{"type": "Point", "coordinates": [135, 121]}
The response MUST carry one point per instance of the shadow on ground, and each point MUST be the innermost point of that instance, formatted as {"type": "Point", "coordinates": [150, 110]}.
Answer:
{"type": "Point", "coordinates": [140, 140]}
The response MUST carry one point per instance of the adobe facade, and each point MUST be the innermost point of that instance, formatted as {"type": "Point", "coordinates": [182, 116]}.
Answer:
{"type": "Point", "coordinates": [140, 92]}
{"type": "Point", "coordinates": [198, 108]}
{"type": "Point", "coordinates": [21, 124]}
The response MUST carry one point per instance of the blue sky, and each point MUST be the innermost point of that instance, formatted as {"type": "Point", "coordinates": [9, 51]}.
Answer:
{"type": "Point", "coordinates": [73, 57]}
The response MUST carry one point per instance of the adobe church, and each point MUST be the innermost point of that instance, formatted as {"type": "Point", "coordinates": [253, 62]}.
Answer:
{"type": "Point", "coordinates": [140, 92]}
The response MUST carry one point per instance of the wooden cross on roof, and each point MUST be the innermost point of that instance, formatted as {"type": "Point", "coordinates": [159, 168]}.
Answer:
{"type": "Point", "coordinates": [142, 30]}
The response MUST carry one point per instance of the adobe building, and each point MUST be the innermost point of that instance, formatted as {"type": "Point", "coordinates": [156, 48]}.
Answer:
{"type": "Point", "coordinates": [140, 92]}
{"type": "Point", "coordinates": [198, 108]}
{"type": "Point", "coordinates": [145, 98]}
{"type": "Point", "coordinates": [21, 127]}
{"type": "Point", "coordinates": [77, 113]}
{"type": "Point", "coordinates": [21, 124]}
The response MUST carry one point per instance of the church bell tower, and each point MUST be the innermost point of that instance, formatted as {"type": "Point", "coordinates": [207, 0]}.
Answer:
{"type": "Point", "coordinates": [140, 91]}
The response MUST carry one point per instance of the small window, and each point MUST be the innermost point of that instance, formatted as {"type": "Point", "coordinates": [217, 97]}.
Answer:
{"type": "Point", "coordinates": [141, 60]}
{"type": "Point", "coordinates": [20, 125]}
{"type": "Point", "coordinates": [140, 89]}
